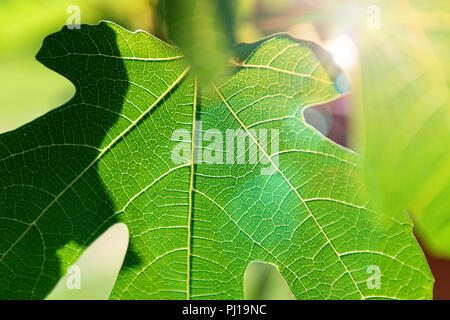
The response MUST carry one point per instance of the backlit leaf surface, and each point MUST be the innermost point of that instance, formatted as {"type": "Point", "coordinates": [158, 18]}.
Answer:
{"type": "Point", "coordinates": [106, 156]}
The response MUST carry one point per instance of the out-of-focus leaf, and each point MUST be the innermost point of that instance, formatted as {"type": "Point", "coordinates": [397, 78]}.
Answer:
{"type": "Point", "coordinates": [204, 31]}
{"type": "Point", "coordinates": [405, 132]}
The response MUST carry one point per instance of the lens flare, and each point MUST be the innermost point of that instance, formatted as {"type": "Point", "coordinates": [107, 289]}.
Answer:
{"type": "Point", "coordinates": [344, 51]}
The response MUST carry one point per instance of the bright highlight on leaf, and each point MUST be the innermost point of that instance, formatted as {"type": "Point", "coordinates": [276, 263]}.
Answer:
{"type": "Point", "coordinates": [106, 156]}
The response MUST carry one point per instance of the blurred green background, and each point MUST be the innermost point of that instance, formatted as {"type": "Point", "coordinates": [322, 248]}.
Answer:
{"type": "Point", "coordinates": [397, 134]}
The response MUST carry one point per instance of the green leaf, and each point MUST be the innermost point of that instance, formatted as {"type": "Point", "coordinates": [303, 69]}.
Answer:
{"type": "Point", "coordinates": [404, 130]}
{"type": "Point", "coordinates": [204, 31]}
{"type": "Point", "coordinates": [107, 156]}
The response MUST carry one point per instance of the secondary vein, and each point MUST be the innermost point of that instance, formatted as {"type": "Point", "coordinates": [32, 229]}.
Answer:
{"type": "Point", "coordinates": [99, 156]}
{"type": "Point", "coordinates": [290, 185]}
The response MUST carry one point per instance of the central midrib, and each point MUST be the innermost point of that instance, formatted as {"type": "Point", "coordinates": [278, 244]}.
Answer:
{"type": "Point", "coordinates": [191, 192]}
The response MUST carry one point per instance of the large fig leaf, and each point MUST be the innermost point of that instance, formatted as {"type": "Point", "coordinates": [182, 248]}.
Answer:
{"type": "Point", "coordinates": [107, 156]}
